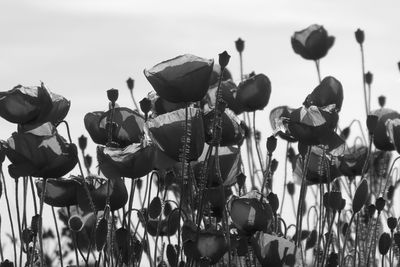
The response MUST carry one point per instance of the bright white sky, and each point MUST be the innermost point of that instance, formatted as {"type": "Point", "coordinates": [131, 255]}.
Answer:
{"type": "Point", "coordinates": [81, 48]}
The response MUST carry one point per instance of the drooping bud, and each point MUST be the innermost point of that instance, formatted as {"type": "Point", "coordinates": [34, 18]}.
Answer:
{"type": "Point", "coordinates": [112, 95]}
{"type": "Point", "coordinates": [82, 141]}
{"type": "Point", "coordinates": [372, 121]}
{"type": "Point", "coordinates": [271, 144]}
{"type": "Point", "coordinates": [359, 36]}
{"type": "Point", "coordinates": [368, 78]}
{"type": "Point", "coordinates": [392, 223]}
{"type": "Point", "coordinates": [239, 45]}
{"type": "Point", "coordinates": [290, 188]}
{"type": "Point", "coordinates": [382, 101]}
{"type": "Point", "coordinates": [223, 59]}
{"type": "Point", "coordinates": [131, 83]}
{"type": "Point", "coordinates": [360, 196]}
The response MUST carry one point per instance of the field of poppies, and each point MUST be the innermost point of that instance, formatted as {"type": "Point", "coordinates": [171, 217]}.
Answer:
{"type": "Point", "coordinates": [183, 179]}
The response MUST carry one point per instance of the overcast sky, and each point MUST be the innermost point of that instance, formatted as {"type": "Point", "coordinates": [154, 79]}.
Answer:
{"type": "Point", "coordinates": [81, 48]}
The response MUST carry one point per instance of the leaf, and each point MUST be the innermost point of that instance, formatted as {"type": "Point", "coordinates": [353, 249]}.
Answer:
{"type": "Point", "coordinates": [155, 208]}
{"type": "Point", "coordinates": [171, 255]}
{"type": "Point", "coordinates": [360, 196]}
{"type": "Point", "coordinates": [101, 234]}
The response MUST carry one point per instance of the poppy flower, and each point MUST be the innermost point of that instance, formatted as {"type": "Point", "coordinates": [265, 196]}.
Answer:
{"type": "Point", "coordinates": [217, 72]}
{"type": "Point", "coordinates": [59, 192]}
{"type": "Point", "coordinates": [133, 161]}
{"type": "Point", "coordinates": [250, 213]}
{"type": "Point", "coordinates": [228, 91]}
{"type": "Point", "coordinates": [117, 193]}
{"type": "Point", "coordinates": [328, 92]}
{"type": "Point", "coordinates": [229, 162]}
{"type": "Point", "coordinates": [128, 126]}
{"type": "Point", "coordinates": [393, 130]}
{"type": "Point", "coordinates": [181, 79]}
{"type": "Point", "coordinates": [232, 131]}
{"type": "Point", "coordinates": [312, 43]}
{"type": "Point", "coordinates": [168, 131]}
{"type": "Point", "coordinates": [208, 245]}
{"type": "Point", "coordinates": [352, 162]}
{"type": "Point", "coordinates": [40, 152]}
{"type": "Point", "coordinates": [253, 93]}
{"type": "Point", "coordinates": [32, 104]}
{"type": "Point", "coordinates": [317, 171]}
{"type": "Point", "coordinates": [279, 118]}
{"type": "Point", "coordinates": [272, 250]}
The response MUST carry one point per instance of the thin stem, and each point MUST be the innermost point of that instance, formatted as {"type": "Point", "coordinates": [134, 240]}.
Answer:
{"type": "Point", "coordinates": [9, 215]}
{"type": "Point", "coordinates": [33, 195]}
{"type": "Point", "coordinates": [285, 177]}
{"type": "Point", "coordinates": [74, 241]}
{"type": "Point", "coordinates": [58, 236]}
{"type": "Point", "coordinates": [134, 101]}
{"type": "Point", "coordinates": [41, 222]}
{"type": "Point", "coordinates": [363, 79]}
{"type": "Point", "coordinates": [356, 241]}
{"type": "Point", "coordinates": [373, 237]}
{"type": "Point", "coordinates": [318, 69]}
{"type": "Point", "coordinates": [18, 219]}
{"type": "Point", "coordinates": [347, 237]}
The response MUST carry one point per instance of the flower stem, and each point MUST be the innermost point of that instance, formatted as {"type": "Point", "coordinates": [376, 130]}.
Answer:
{"type": "Point", "coordinates": [366, 101]}
{"type": "Point", "coordinates": [41, 223]}
{"type": "Point", "coordinates": [18, 219]}
{"type": "Point", "coordinates": [318, 70]}
{"type": "Point", "coordinates": [58, 236]}
{"type": "Point", "coordinates": [285, 178]}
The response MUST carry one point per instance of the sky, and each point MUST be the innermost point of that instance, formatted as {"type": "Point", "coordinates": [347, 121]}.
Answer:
{"type": "Point", "coordinates": [81, 48]}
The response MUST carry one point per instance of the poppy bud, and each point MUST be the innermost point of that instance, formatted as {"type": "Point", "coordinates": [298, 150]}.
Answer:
{"type": "Point", "coordinates": [359, 36]}
{"type": "Point", "coordinates": [274, 165]}
{"type": "Point", "coordinates": [392, 223]}
{"type": "Point", "coordinates": [396, 238]}
{"type": "Point", "coordinates": [75, 223]}
{"type": "Point", "coordinates": [271, 144]}
{"type": "Point", "coordinates": [380, 204]}
{"type": "Point", "coordinates": [390, 192]}
{"type": "Point", "coordinates": [130, 82]}
{"type": "Point", "coordinates": [360, 196]}
{"type": "Point", "coordinates": [7, 263]}
{"type": "Point", "coordinates": [382, 101]}
{"type": "Point", "coordinates": [112, 95]}
{"type": "Point", "coordinates": [372, 121]}
{"type": "Point", "coordinates": [371, 210]}
{"type": "Point", "coordinates": [145, 105]}
{"type": "Point", "coordinates": [27, 235]}
{"type": "Point", "coordinates": [82, 141]}
{"type": "Point", "coordinates": [223, 59]}
{"type": "Point", "coordinates": [345, 133]}
{"type": "Point", "coordinates": [368, 77]}
{"type": "Point", "coordinates": [384, 243]}
{"type": "Point", "coordinates": [273, 201]}
{"type": "Point", "coordinates": [88, 161]}
{"type": "Point", "coordinates": [290, 188]}
{"type": "Point", "coordinates": [239, 45]}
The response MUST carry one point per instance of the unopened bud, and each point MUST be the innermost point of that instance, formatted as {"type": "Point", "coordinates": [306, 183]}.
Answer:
{"type": "Point", "coordinates": [239, 45]}
{"type": "Point", "coordinates": [271, 144]}
{"type": "Point", "coordinates": [130, 82]}
{"type": "Point", "coordinates": [82, 141]}
{"type": "Point", "coordinates": [382, 101]}
{"type": "Point", "coordinates": [368, 78]}
{"type": "Point", "coordinates": [112, 95]}
{"type": "Point", "coordinates": [223, 59]}
{"type": "Point", "coordinates": [359, 36]}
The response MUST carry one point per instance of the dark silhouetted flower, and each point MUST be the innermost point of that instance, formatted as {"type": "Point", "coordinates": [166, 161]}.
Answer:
{"type": "Point", "coordinates": [253, 94]}
{"type": "Point", "coordinates": [40, 152]}
{"type": "Point", "coordinates": [223, 59]}
{"type": "Point", "coordinates": [128, 126]}
{"type": "Point", "coordinates": [133, 161]}
{"type": "Point", "coordinates": [232, 131]}
{"type": "Point", "coordinates": [167, 132]}
{"type": "Point", "coordinates": [381, 134]}
{"type": "Point", "coordinates": [312, 43]}
{"type": "Point", "coordinates": [209, 245]}
{"type": "Point", "coordinates": [329, 92]}
{"type": "Point", "coordinates": [59, 192]}
{"type": "Point", "coordinates": [250, 213]}
{"type": "Point", "coordinates": [33, 105]}
{"type": "Point", "coordinates": [181, 79]}
{"type": "Point", "coordinates": [228, 91]}
{"type": "Point", "coordinates": [165, 227]}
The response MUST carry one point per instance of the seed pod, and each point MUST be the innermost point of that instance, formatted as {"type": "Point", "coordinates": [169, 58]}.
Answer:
{"type": "Point", "coordinates": [369, 77]}
{"type": "Point", "coordinates": [271, 144]}
{"type": "Point", "coordinates": [155, 208]}
{"type": "Point", "coordinates": [290, 188]}
{"type": "Point", "coordinates": [273, 201]}
{"type": "Point", "coordinates": [82, 141]}
{"type": "Point", "coordinates": [345, 133]}
{"type": "Point", "coordinates": [223, 59]}
{"type": "Point", "coordinates": [380, 204]}
{"type": "Point", "coordinates": [359, 34]}
{"type": "Point", "coordinates": [274, 165]}
{"type": "Point", "coordinates": [112, 95]}
{"type": "Point", "coordinates": [392, 223]}
{"type": "Point", "coordinates": [382, 101]}
{"type": "Point", "coordinates": [239, 43]}
{"type": "Point", "coordinates": [171, 255]}
{"type": "Point", "coordinates": [75, 223]}
{"type": "Point", "coordinates": [130, 83]}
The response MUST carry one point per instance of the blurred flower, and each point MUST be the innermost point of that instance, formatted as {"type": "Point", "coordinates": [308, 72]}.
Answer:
{"type": "Point", "coordinates": [181, 79]}
{"type": "Point", "coordinates": [33, 104]}
{"type": "Point", "coordinates": [322, 167]}
{"type": "Point", "coordinates": [232, 132]}
{"type": "Point", "coordinates": [382, 101]}
{"type": "Point", "coordinates": [250, 213]}
{"type": "Point", "coordinates": [208, 245]}
{"type": "Point", "coordinates": [40, 152]}
{"type": "Point", "coordinates": [167, 132]}
{"type": "Point", "coordinates": [352, 162]}
{"type": "Point", "coordinates": [128, 126]}
{"type": "Point", "coordinates": [130, 83]}
{"type": "Point", "coordinates": [253, 94]}
{"type": "Point", "coordinates": [312, 43]}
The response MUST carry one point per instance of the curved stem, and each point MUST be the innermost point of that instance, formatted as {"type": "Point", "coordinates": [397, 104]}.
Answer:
{"type": "Point", "coordinates": [41, 222]}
